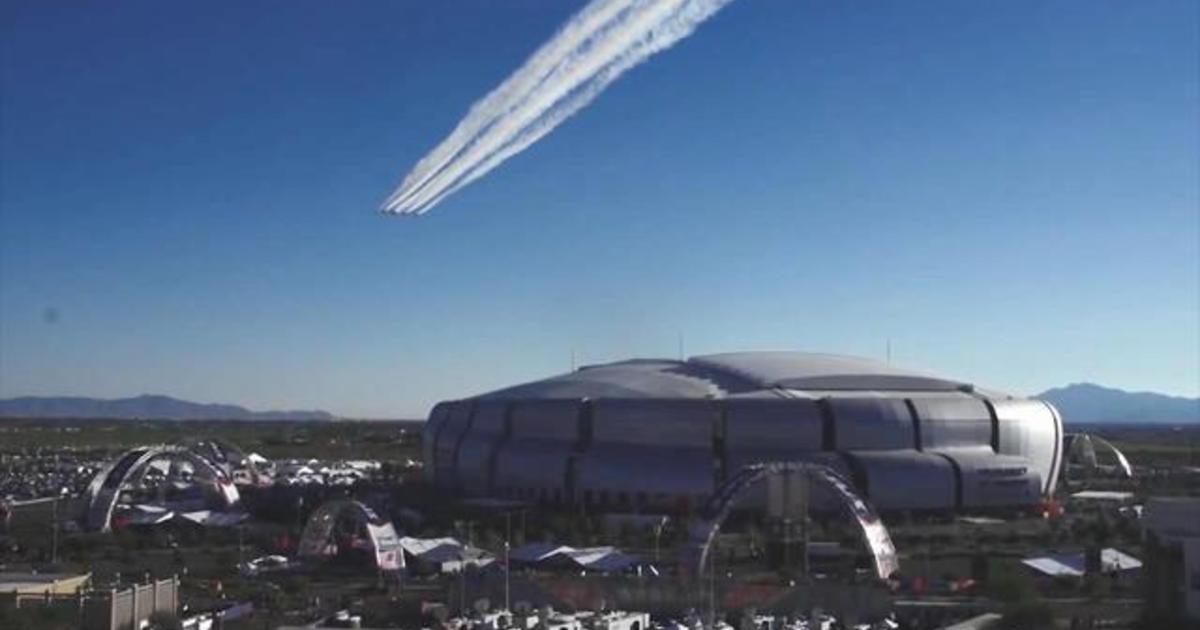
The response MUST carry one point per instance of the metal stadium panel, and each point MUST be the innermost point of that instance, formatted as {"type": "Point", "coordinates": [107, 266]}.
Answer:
{"type": "Point", "coordinates": [603, 435]}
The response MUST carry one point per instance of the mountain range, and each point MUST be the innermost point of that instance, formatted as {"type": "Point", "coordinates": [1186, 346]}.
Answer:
{"type": "Point", "coordinates": [1082, 403]}
{"type": "Point", "coordinates": [144, 407]}
{"type": "Point", "coordinates": [1088, 403]}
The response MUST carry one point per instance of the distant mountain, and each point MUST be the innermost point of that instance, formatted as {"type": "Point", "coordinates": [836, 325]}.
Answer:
{"type": "Point", "coordinates": [145, 407]}
{"type": "Point", "coordinates": [1087, 403]}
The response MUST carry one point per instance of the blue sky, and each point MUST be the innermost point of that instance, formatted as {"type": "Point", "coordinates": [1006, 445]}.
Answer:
{"type": "Point", "coordinates": [1007, 191]}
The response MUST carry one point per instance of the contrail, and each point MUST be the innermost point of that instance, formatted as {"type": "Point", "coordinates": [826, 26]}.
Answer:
{"type": "Point", "coordinates": [500, 100]}
{"type": "Point", "coordinates": [599, 44]}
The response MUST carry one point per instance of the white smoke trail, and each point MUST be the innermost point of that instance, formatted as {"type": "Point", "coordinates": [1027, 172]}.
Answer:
{"type": "Point", "coordinates": [501, 100]}
{"type": "Point", "coordinates": [571, 75]}
{"type": "Point", "coordinates": [655, 40]}
{"type": "Point", "coordinates": [597, 46]}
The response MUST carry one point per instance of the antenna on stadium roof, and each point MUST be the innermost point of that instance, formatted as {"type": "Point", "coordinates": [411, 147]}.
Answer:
{"type": "Point", "coordinates": [889, 350]}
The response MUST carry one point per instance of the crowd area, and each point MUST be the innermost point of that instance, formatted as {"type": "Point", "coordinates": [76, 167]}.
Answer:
{"type": "Point", "coordinates": [67, 472]}
{"type": "Point", "coordinates": [36, 475]}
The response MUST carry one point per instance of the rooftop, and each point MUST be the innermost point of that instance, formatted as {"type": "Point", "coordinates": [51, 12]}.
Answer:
{"type": "Point", "coordinates": [41, 582]}
{"type": "Point", "coordinates": [731, 374]}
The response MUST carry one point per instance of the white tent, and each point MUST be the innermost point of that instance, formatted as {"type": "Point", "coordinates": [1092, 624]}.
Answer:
{"type": "Point", "coordinates": [1074, 564]}
{"type": "Point", "coordinates": [209, 518]}
{"type": "Point", "coordinates": [146, 515]}
{"type": "Point", "coordinates": [603, 559]}
{"type": "Point", "coordinates": [536, 552]}
{"type": "Point", "coordinates": [446, 555]}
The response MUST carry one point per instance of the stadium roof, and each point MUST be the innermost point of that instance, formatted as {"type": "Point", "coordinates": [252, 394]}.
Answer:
{"type": "Point", "coordinates": [731, 374]}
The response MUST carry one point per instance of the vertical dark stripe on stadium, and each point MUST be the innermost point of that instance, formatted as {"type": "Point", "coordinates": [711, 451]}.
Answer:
{"type": "Point", "coordinates": [858, 473]}
{"type": "Point", "coordinates": [505, 436]}
{"type": "Point", "coordinates": [995, 424]}
{"type": "Point", "coordinates": [462, 438]}
{"type": "Point", "coordinates": [916, 423]}
{"type": "Point", "coordinates": [583, 440]}
{"type": "Point", "coordinates": [720, 446]}
{"type": "Point", "coordinates": [958, 480]}
{"type": "Point", "coordinates": [438, 429]}
{"type": "Point", "coordinates": [828, 425]}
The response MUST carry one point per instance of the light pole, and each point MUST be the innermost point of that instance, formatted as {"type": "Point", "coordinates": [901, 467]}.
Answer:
{"type": "Point", "coordinates": [507, 569]}
{"type": "Point", "coordinates": [806, 488]}
{"type": "Point", "coordinates": [54, 535]}
{"type": "Point", "coordinates": [712, 586]}
{"type": "Point", "coordinates": [658, 529]}
{"type": "Point", "coordinates": [462, 574]}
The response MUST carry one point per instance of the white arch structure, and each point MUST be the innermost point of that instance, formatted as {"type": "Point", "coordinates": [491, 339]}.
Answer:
{"type": "Point", "coordinates": [1080, 450]}
{"type": "Point", "coordinates": [105, 488]}
{"type": "Point", "coordinates": [220, 452]}
{"type": "Point", "coordinates": [384, 543]}
{"type": "Point", "coordinates": [229, 457]}
{"type": "Point", "coordinates": [728, 496]}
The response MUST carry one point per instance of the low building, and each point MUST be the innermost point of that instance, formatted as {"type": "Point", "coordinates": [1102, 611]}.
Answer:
{"type": "Point", "coordinates": [1171, 526]}
{"type": "Point", "coordinates": [24, 589]}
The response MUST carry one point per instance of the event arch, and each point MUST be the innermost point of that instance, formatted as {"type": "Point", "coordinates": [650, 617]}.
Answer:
{"type": "Point", "coordinates": [730, 494]}
{"type": "Point", "coordinates": [104, 491]}
{"type": "Point", "coordinates": [230, 458]}
{"type": "Point", "coordinates": [1081, 454]}
{"type": "Point", "coordinates": [221, 452]}
{"type": "Point", "coordinates": [316, 542]}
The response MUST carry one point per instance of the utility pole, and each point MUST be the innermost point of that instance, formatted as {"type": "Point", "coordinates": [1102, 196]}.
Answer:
{"type": "Point", "coordinates": [658, 530]}
{"type": "Point", "coordinates": [712, 586]}
{"type": "Point", "coordinates": [787, 543]}
{"type": "Point", "coordinates": [804, 524]}
{"type": "Point", "coordinates": [507, 568]}
{"type": "Point", "coordinates": [54, 536]}
{"type": "Point", "coordinates": [462, 581]}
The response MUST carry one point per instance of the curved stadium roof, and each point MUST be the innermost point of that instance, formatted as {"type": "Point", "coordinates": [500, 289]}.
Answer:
{"type": "Point", "coordinates": [729, 375]}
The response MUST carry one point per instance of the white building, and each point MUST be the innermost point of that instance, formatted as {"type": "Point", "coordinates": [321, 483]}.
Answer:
{"type": "Point", "coordinates": [602, 436]}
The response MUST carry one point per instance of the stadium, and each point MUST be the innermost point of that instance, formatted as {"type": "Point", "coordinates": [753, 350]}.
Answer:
{"type": "Point", "coordinates": [657, 435]}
